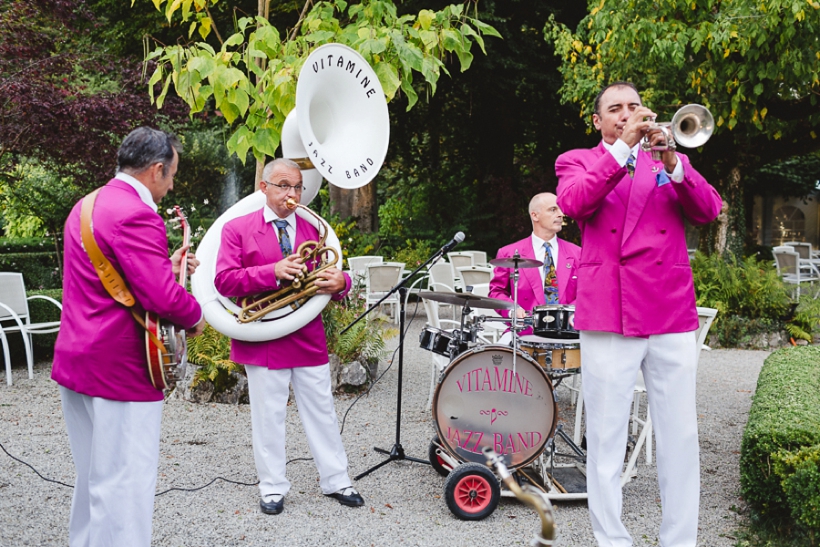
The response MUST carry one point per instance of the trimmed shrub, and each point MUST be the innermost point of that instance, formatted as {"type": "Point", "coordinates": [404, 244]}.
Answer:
{"type": "Point", "coordinates": [40, 270]}
{"type": "Point", "coordinates": [778, 468]}
{"type": "Point", "coordinates": [26, 245]}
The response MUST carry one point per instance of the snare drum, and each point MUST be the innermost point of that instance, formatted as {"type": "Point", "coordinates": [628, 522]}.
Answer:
{"type": "Point", "coordinates": [482, 402]}
{"type": "Point", "coordinates": [438, 341]}
{"type": "Point", "coordinates": [553, 354]}
{"type": "Point", "coordinates": [553, 321]}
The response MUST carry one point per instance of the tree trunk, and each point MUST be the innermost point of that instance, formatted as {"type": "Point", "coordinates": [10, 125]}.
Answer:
{"type": "Point", "coordinates": [359, 204]}
{"type": "Point", "coordinates": [727, 234]}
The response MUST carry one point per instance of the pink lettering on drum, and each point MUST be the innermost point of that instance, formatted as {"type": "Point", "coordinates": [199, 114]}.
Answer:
{"type": "Point", "coordinates": [482, 379]}
{"type": "Point", "coordinates": [502, 443]}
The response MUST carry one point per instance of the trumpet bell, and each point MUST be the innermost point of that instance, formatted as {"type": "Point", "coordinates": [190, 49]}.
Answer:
{"type": "Point", "coordinates": [342, 116]}
{"type": "Point", "coordinates": [692, 125]}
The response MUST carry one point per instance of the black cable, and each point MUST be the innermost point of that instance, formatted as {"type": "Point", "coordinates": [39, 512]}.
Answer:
{"type": "Point", "coordinates": [344, 418]}
{"type": "Point", "coordinates": [32, 468]}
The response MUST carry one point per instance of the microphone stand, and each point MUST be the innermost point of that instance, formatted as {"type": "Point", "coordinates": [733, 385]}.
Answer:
{"type": "Point", "coordinates": [397, 451]}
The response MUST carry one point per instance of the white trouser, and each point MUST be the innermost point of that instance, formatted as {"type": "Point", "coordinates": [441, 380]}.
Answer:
{"type": "Point", "coordinates": [268, 390]}
{"type": "Point", "coordinates": [115, 446]}
{"type": "Point", "coordinates": [610, 368]}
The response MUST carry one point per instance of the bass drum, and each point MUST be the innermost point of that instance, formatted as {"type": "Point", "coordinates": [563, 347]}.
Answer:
{"type": "Point", "coordinates": [482, 402]}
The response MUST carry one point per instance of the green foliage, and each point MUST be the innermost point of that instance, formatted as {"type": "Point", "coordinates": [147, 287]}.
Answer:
{"type": "Point", "coordinates": [212, 352]}
{"type": "Point", "coordinates": [364, 341]}
{"type": "Point", "coordinates": [736, 58]}
{"type": "Point", "coordinates": [806, 321]}
{"type": "Point", "coordinates": [25, 245]}
{"type": "Point", "coordinates": [40, 270]}
{"type": "Point", "coordinates": [251, 79]}
{"type": "Point", "coordinates": [748, 294]}
{"type": "Point", "coordinates": [799, 473]}
{"type": "Point", "coordinates": [354, 242]}
{"type": "Point", "coordinates": [34, 200]}
{"type": "Point", "coordinates": [783, 421]}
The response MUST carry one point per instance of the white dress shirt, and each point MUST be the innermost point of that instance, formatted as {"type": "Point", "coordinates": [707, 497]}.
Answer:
{"type": "Point", "coordinates": [621, 151]}
{"type": "Point", "coordinates": [270, 217]}
{"type": "Point", "coordinates": [142, 190]}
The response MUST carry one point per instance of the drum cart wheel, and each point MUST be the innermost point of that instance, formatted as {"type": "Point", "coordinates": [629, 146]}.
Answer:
{"type": "Point", "coordinates": [472, 491]}
{"type": "Point", "coordinates": [434, 455]}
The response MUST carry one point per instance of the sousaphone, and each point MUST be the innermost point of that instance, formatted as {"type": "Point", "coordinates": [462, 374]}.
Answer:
{"type": "Point", "coordinates": [339, 130]}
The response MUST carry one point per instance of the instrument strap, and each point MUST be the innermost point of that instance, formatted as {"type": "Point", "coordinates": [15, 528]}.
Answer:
{"type": "Point", "coordinates": [111, 279]}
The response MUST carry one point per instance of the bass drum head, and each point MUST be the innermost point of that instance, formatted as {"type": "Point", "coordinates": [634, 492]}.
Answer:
{"type": "Point", "coordinates": [480, 402]}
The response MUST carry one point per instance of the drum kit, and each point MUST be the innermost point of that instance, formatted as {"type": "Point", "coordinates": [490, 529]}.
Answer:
{"type": "Point", "coordinates": [501, 397]}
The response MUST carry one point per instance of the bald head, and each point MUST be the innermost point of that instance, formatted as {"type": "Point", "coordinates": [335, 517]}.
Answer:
{"type": "Point", "coordinates": [547, 218]}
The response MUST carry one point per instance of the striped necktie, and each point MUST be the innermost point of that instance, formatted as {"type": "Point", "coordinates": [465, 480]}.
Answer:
{"type": "Point", "coordinates": [284, 238]}
{"type": "Point", "coordinates": [630, 165]}
{"type": "Point", "coordinates": [550, 279]}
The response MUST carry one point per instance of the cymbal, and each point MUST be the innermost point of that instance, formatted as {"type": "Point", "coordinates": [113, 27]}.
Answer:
{"type": "Point", "coordinates": [513, 262]}
{"type": "Point", "coordinates": [465, 298]}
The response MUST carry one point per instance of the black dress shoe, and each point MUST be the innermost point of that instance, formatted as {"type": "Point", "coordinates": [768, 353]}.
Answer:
{"type": "Point", "coordinates": [272, 507]}
{"type": "Point", "coordinates": [348, 496]}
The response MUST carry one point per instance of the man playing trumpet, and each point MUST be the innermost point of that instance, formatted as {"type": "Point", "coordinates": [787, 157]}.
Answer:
{"type": "Point", "coordinates": [636, 307]}
{"type": "Point", "coordinates": [256, 256]}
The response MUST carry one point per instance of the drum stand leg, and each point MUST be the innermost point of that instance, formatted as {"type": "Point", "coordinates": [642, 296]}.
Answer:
{"type": "Point", "coordinates": [397, 452]}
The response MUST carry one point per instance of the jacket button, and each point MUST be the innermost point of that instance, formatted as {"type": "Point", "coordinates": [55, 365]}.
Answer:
{"type": "Point", "coordinates": [623, 262]}
{"type": "Point", "coordinates": [663, 231]}
{"type": "Point", "coordinates": [614, 230]}
{"type": "Point", "coordinates": [660, 262]}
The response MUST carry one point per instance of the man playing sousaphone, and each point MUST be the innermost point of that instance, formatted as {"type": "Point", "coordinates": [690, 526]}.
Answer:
{"type": "Point", "coordinates": [256, 255]}
{"type": "Point", "coordinates": [552, 284]}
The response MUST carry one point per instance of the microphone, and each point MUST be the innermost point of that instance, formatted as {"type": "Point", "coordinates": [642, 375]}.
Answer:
{"type": "Point", "coordinates": [458, 238]}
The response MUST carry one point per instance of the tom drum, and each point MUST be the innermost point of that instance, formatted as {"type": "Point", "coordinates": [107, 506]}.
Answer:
{"type": "Point", "coordinates": [555, 355]}
{"type": "Point", "coordinates": [554, 321]}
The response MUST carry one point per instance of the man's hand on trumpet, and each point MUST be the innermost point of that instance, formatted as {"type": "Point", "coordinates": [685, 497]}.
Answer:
{"type": "Point", "coordinates": [288, 268]}
{"type": "Point", "coordinates": [330, 281]}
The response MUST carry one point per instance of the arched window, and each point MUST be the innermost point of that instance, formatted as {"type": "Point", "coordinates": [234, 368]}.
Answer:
{"type": "Point", "coordinates": [788, 224]}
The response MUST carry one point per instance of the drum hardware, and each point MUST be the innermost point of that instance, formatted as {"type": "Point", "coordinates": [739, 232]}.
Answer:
{"type": "Point", "coordinates": [464, 298]}
{"type": "Point", "coordinates": [529, 495]}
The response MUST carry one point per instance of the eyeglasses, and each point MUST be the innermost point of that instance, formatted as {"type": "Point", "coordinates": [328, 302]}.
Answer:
{"type": "Point", "coordinates": [286, 187]}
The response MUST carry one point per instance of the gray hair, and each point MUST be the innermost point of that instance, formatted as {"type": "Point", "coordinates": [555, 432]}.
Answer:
{"type": "Point", "coordinates": [143, 147]}
{"type": "Point", "coordinates": [270, 166]}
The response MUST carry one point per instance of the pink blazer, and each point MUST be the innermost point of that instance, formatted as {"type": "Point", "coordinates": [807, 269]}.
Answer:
{"type": "Point", "coordinates": [634, 276]}
{"type": "Point", "coordinates": [100, 349]}
{"type": "Point", "coordinates": [530, 286]}
{"type": "Point", "coordinates": [245, 266]}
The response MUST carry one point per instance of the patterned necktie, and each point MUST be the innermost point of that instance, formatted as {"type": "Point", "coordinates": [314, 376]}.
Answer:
{"type": "Point", "coordinates": [550, 279]}
{"type": "Point", "coordinates": [630, 165]}
{"type": "Point", "coordinates": [284, 238]}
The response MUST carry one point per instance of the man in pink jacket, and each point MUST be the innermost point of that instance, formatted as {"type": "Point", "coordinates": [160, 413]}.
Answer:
{"type": "Point", "coordinates": [547, 220]}
{"type": "Point", "coordinates": [256, 255]}
{"type": "Point", "coordinates": [112, 411]}
{"type": "Point", "coordinates": [636, 308]}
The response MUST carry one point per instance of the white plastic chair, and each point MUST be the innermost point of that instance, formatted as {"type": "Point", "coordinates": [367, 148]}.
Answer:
{"type": "Point", "coordinates": [807, 254]}
{"type": "Point", "coordinates": [438, 362]}
{"type": "Point", "coordinates": [460, 259]}
{"type": "Point", "coordinates": [792, 270]}
{"type": "Point", "coordinates": [475, 275]}
{"type": "Point", "coordinates": [357, 268]}
{"type": "Point", "coordinates": [441, 278]}
{"type": "Point", "coordinates": [706, 317]}
{"type": "Point", "coordinates": [479, 258]}
{"type": "Point", "coordinates": [492, 329]}
{"type": "Point", "coordinates": [380, 279]}
{"type": "Point", "coordinates": [14, 307]}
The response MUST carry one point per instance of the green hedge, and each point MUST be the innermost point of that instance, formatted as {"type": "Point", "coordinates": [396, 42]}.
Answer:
{"type": "Point", "coordinates": [26, 245]}
{"type": "Point", "coordinates": [780, 451]}
{"type": "Point", "coordinates": [40, 270]}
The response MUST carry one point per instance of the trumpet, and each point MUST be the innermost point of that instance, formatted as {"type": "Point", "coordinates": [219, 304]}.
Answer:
{"type": "Point", "coordinates": [691, 126]}
{"type": "Point", "coordinates": [303, 286]}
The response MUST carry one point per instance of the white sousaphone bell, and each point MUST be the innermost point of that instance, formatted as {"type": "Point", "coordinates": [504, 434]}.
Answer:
{"type": "Point", "coordinates": [339, 130]}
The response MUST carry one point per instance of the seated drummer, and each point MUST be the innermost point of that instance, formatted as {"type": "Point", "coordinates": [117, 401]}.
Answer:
{"type": "Point", "coordinates": [555, 282]}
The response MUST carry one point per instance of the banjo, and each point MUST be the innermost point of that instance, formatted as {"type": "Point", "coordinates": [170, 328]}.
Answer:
{"type": "Point", "coordinates": [166, 347]}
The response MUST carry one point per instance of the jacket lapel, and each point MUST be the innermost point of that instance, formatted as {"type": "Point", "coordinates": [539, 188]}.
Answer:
{"type": "Point", "coordinates": [266, 240]}
{"type": "Point", "coordinates": [642, 187]}
{"type": "Point", "coordinates": [532, 275]}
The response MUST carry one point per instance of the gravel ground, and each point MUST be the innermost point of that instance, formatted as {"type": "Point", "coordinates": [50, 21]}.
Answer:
{"type": "Point", "coordinates": [404, 501]}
